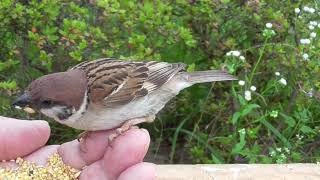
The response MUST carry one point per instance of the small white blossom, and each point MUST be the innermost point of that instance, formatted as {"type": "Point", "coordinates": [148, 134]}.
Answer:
{"type": "Point", "coordinates": [297, 10]}
{"type": "Point", "coordinates": [310, 93]}
{"type": "Point", "coordinates": [313, 23]}
{"type": "Point", "coordinates": [236, 53]}
{"type": "Point", "coordinates": [241, 83]}
{"type": "Point", "coordinates": [319, 25]}
{"type": "Point", "coordinates": [278, 149]}
{"type": "Point", "coordinates": [311, 27]}
{"type": "Point", "coordinates": [312, 10]}
{"type": "Point", "coordinates": [277, 73]}
{"type": "Point", "coordinates": [305, 41]}
{"type": "Point", "coordinates": [242, 58]}
{"type": "Point", "coordinates": [233, 53]}
{"type": "Point", "coordinates": [272, 153]}
{"type": "Point", "coordinates": [242, 131]}
{"type": "Point", "coordinates": [300, 137]}
{"type": "Point", "coordinates": [274, 113]}
{"type": "Point", "coordinates": [313, 34]}
{"type": "Point", "coordinates": [247, 95]}
{"type": "Point", "coordinates": [253, 88]}
{"type": "Point", "coordinates": [305, 56]}
{"type": "Point", "coordinates": [283, 81]}
{"type": "Point", "coordinates": [306, 8]}
{"type": "Point", "coordinates": [287, 150]}
{"type": "Point", "coordinates": [269, 25]}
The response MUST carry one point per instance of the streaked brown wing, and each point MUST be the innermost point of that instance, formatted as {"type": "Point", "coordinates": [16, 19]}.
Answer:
{"type": "Point", "coordinates": [114, 82]}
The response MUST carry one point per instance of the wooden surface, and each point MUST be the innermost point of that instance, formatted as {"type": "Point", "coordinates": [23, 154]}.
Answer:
{"type": "Point", "coordinates": [239, 172]}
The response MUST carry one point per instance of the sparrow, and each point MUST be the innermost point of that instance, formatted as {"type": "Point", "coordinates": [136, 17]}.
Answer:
{"type": "Point", "coordinates": [109, 93]}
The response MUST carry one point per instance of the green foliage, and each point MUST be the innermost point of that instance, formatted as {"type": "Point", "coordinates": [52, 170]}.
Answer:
{"type": "Point", "coordinates": [272, 117]}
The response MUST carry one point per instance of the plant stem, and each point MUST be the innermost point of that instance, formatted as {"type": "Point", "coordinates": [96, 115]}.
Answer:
{"type": "Point", "coordinates": [260, 57]}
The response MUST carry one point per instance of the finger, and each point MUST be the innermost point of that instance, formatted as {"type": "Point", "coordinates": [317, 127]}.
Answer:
{"type": "Point", "coordinates": [19, 137]}
{"type": "Point", "coordinates": [95, 144]}
{"type": "Point", "coordinates": [141, 171]}
{"type": "Point", "coordinates": [40, 157]}
{"type": "Point", "coordinates": [71, 155]}
{"type": "Point", "coordinates": [127, 150]}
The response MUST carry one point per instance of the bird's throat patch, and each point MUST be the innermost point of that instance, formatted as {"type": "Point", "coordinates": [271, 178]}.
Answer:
{"type": "Point", "coordinates": [65, 113]}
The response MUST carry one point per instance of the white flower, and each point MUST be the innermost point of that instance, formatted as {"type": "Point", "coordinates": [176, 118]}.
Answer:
{"type": "Point", "coordinates": [313, 34]}
{"type": "Point", "coordinates": [247, 95]}
{"type": "Point", "coordinates": [253, 88]}
{"type": "Point", "coordinates": [236, 53]}
{"type": "Point", "coordinates": [311, 27]}
{"type": "Point", "coordinates": [312, 10]}
{"type": "Point", "coordinates": [283, 81]}
{"type": "Point", "coordinates": [313, 23]}
{"type": "Point", "coordinates": [305, 56]}
{"type": "Point", "coordinates": [233, 53]}
{"type": "Point", "coordinates": [310, 93]}
{"type": "Point", "coordinates": [242, 131]}
{"type": "Point", "coordinates": [306, 8]}
{"type": "Point", "coordinates": [297, 10]}
{"type": "Point", "coordinates": [241, 83]}
{"type": "Point", "coordinates": [287, 150]}
{"type": "Point", "coordinates": [269, 25]}
{"type": "Point", "coordinates": [305, 41]}
{"type": "Point", "coordinates": [242, 58]}
{"type": "Point", "coordinates": [319, 25]}
{"type": "Point", "coordinates": [277, 73]}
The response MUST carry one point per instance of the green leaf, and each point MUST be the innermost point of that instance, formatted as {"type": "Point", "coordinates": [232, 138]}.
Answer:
{"type": "Point", "coordinates": [191, 67]}
{"type": "Point", "coordinates": [275, 131]}
{"type": "Point", "coordinates": [8, 85]}
{"type": "Point", "coordinates": [307, 130]}
{"type": "Point", "coordinates": [235, 117]}
{"type": "Point", "coordinates": [248, 109]}
{"type": "Point", "coordinates": [240, 145]}
{"type": "Point", "coordinates": [288, 120]}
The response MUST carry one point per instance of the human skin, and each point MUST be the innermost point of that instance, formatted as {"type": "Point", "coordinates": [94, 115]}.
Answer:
{"type": "Point", "coordinates": [123, 160]}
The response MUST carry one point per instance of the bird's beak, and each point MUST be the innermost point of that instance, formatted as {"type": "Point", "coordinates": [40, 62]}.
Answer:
{"type": "Point", "coordinates": [23, 102]}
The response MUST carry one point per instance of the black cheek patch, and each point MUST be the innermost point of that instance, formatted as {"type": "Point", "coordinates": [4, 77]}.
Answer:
{"type": "Point", "coordinates": [65, 113]}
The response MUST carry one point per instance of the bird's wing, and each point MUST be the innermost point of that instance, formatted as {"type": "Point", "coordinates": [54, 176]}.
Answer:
{"type": "Point", "coordinates": [114, 82]}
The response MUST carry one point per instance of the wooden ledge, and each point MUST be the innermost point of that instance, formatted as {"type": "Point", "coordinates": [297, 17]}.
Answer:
{"type": "Point", "coordinates": [239, 172]}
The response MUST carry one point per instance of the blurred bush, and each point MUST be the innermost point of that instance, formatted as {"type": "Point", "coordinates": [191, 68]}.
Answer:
{"type": "Point", "coordinates": [271, 116]}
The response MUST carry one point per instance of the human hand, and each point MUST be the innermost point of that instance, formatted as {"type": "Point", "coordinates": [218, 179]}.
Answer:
{"type": "Point", "coordinates": [122, 161]}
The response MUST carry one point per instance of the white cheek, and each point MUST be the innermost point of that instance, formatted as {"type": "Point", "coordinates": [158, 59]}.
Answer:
{"type": "Point", "coordinates": [53, 112]}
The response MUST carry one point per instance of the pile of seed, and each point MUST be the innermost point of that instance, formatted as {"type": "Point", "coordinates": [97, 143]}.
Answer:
{"type": "Point", "coordinates": [55, 170]}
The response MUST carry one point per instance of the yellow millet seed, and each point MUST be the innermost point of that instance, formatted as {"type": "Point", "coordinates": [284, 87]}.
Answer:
{"type": "Point", "coordinates": [55, 170]}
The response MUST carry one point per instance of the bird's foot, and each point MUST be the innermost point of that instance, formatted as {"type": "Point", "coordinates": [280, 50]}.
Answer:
{"type": "Point", "coordinates": [130, 124]}
{"type": "Point", "coordinates": [82, 141]}
{"type": "Point", "coordinates": [118, 132]}
{"type": "Point", "coordinates": [82, 135]}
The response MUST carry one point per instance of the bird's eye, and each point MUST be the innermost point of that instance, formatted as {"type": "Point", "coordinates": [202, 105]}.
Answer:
{"type": "Point", "coordinates": [46, 103]}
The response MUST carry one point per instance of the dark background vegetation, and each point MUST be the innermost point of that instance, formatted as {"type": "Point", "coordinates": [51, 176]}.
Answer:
{"type": "Point", "coordinates": [207, 123]}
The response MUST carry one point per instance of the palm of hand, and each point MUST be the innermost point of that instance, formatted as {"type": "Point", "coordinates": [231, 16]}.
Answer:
{"type": "Point", "coordinates": [122, 161]}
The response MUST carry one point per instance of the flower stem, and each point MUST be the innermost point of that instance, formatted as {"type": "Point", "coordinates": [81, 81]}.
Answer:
{"type": "Point", "coordinates": [259, 59]}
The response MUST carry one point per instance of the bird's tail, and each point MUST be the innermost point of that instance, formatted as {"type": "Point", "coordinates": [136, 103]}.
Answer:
{"type": "Point", "coordinates": [207, 76]}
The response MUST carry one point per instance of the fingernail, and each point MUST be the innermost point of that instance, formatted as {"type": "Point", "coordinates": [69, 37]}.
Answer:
{"type": "Point", "coordinates": [40, 122]}
{"type": "Point", "coordinates": [145, 131]}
